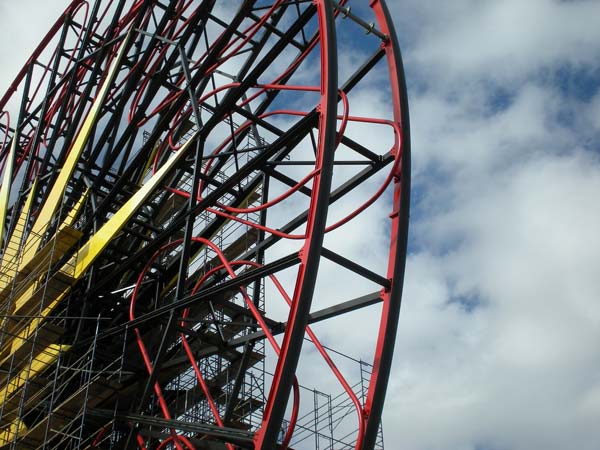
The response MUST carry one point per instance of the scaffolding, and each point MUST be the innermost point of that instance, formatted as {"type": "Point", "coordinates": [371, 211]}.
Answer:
{"type": "Point", "coordinates": [165, 194]}
{"type": "Point", "coordinates": [56, 394]}
{"type": "Point", "coordinates": [49, 388]}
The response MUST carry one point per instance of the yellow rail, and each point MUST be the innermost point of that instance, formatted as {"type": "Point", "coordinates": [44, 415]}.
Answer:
{"type": "Point", "coordinates": [6, 183]}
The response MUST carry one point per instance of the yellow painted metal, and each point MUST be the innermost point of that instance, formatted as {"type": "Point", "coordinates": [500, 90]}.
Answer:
{"type": "Point", "coordinates": [21, 338]}
{"type": "Point", "coordinates": [55, 196]}
{"type": "Point", "coordinates": [16, 428]}
{"type": "Point", "coordinates": [29, 250]}
{"type": "Point", "coordinates": [44, 359]}
{"type": "Point", "coordinates": [59, 248]}
{"type": "Point", "coordinates": [61, 243]}
{"type": "Point", "coordinates": [10, 259]}
{"type": "Point", "coordinates": [98, 242]}
{"type": "Point", "coordinates": [74, 213]}
{"type": "Point", "coordinates": [6, 183]}
{"type": "Point", "coordinates": [8, 268]}
{"type": "Point", "coordinates": [80, 262]}
{"type": "Point", "coordinates": [33, 284]}
{"type": "Point", "coordinates": [25, 296]}
{"type": "Point", "coordinates": [149, 163]}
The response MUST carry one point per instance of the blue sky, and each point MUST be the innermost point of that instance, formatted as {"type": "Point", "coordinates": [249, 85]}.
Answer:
{"type": "Point", "coordinates": [499, 331]}
{"type": "Point", "coordinates": [498, 339]}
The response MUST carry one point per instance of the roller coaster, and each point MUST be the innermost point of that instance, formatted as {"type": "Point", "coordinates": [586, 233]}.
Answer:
{"type": "Point", "coordinates": [203, 226]}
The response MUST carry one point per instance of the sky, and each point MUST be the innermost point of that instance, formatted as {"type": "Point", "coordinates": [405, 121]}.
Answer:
{"type": "Point", "coordinates": [498, 341]}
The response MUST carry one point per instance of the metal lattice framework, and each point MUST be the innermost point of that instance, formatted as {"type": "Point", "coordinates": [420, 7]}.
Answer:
{"type": "Point", "coordinates": [174, 176]}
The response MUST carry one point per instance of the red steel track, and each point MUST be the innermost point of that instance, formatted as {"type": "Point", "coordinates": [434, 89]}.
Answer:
{"type": "Point", "coordinates": [200, 85]}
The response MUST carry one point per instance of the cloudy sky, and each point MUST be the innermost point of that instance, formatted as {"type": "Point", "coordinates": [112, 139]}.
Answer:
{"type": "Point", "coordinates": [498, 346]}
{"type": "Point", "coordinates": [498, 343]}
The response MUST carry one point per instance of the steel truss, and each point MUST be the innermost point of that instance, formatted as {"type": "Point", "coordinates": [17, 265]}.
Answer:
{"type": "Point", "coordinates": [173, 175]}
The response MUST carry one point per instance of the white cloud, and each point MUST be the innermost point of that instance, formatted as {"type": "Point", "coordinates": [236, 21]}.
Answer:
{"type": "Point", "coordinates": [505, 222]}
{"type": "Point", "coordinates": [519, 371]}
{"type": "Point", "coordinates": [498, 40]}
{"type": "Point", "coordinates": [497, 347]}
{"type": "Point", "coordinates": [24, 24]}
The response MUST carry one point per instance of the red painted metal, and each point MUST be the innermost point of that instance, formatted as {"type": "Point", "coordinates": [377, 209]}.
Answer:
{"type": "Point", "coordinates": [300, 307]}
{"type": "Point", "coordinates": [331, 128]}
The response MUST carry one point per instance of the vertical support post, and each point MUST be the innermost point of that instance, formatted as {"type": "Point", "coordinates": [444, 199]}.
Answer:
{"type": "Point", "coordinates": [399, 242]}
{"type": "Point", "coordinates": [187, 240]}
{"type": "Point", "coordinates": [89, 379]}
{"type": "Point", "coordinates": [285, 371]}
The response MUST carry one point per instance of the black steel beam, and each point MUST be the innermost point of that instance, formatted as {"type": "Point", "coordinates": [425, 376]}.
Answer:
{"type": "Point", "coordinates": [204, 294]}
{"type": "Point", "coordinates": [317, 316]}
{"type": "Point", "coordinates": [378, 385]}
{"type": "Point", "coordinates": [356, 268]}
{"type": "Point", "coordinates": [233, 435]}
